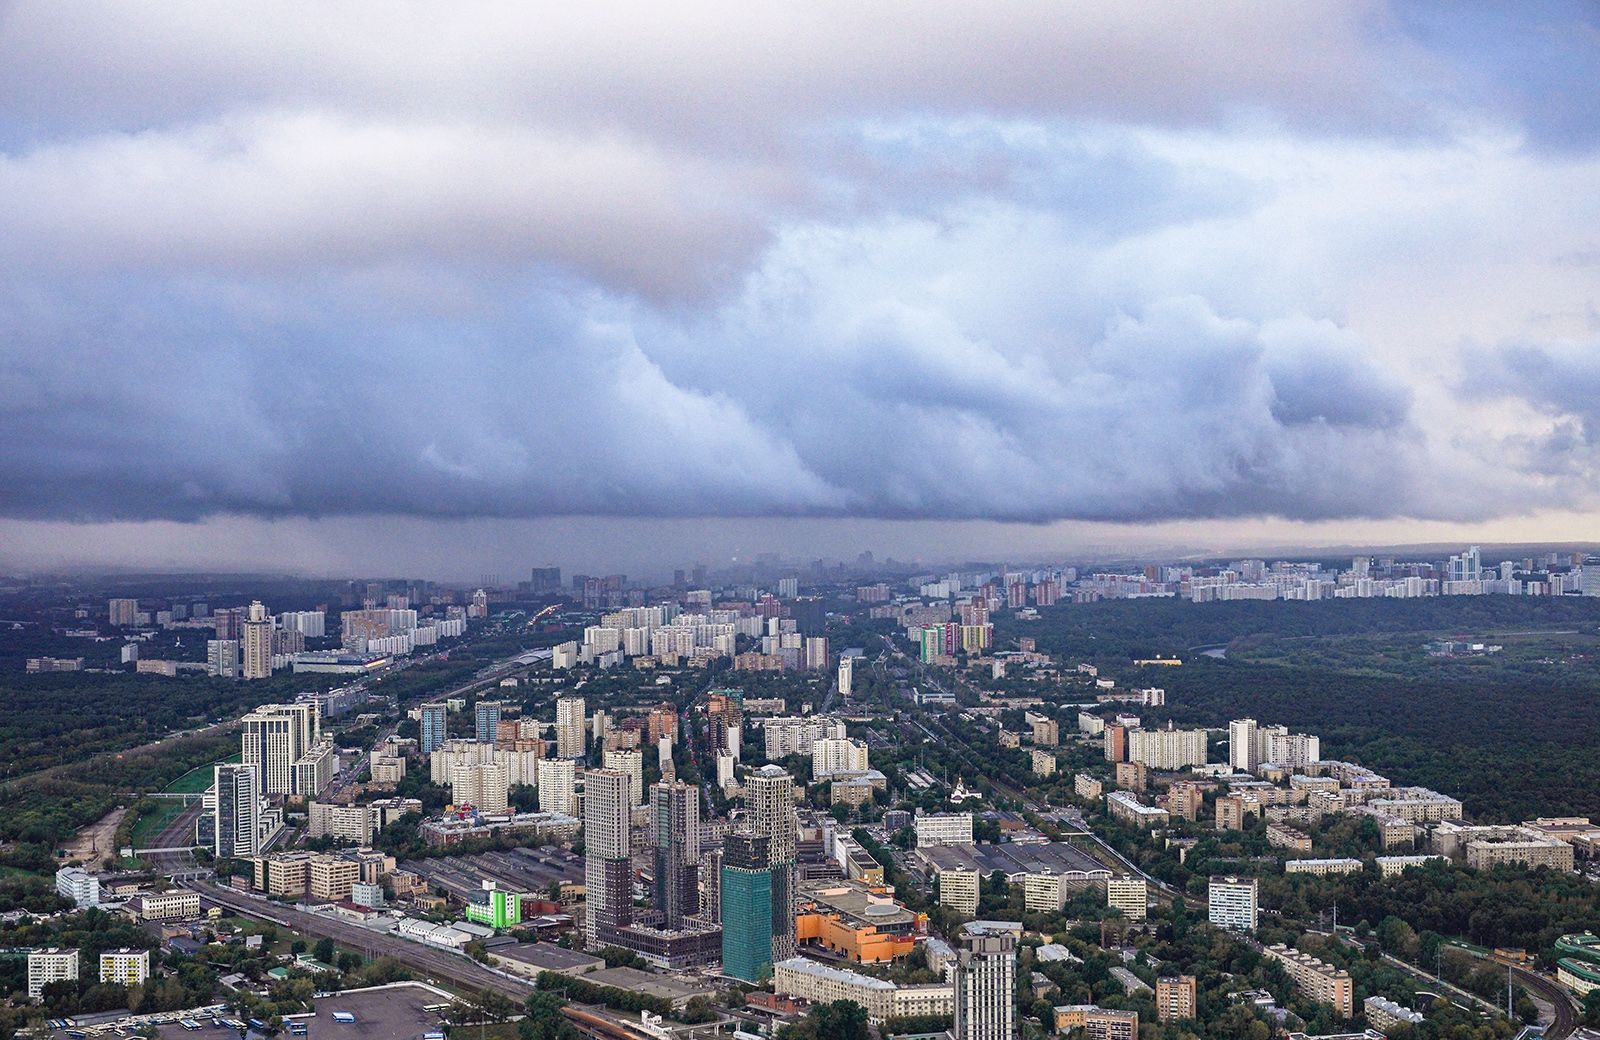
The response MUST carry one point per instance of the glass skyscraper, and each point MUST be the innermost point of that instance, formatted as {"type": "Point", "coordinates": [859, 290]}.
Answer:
{"type": "Point", "coordinates": [746, 894]}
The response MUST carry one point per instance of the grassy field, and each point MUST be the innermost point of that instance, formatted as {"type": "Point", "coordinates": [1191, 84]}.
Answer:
{"type": "Point", "coordinates": [196, 780]}
{"type": "Point", "coordinates": [151, 824]}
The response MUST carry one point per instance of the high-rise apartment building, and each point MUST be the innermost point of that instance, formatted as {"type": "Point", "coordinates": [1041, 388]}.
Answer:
{"type": "Point", "coordinates": [631, 762]}
{"type": "Point", "coordinates": [237, 831]}
{"type": "Point", "coordinates": [570, 727]}
{"type": "Point", "coordinates": [607, 862]}
{"type": "Point", "coordinates": [985, 980]}
{"type": "Point", "coordinates": [675, 839]}
{"type": "Point", "coordinates": [1167, 748]}
{"type": "Point", "coordinates": [846, 675]}
{"type": "Point", "coordinates": [124, 613]}
{"type": "Point", "coordinates": [222, 658]}
{"type": "Point", "coordinates": [487, 716]}
{"type": "Point", "coordinates": [257, 649]}
{"type": "Point", "coordinates": [435, 726]}
{"type": "Point", "coordinates": [745, 903]}
{"type": "Point", "coordinates": [1242, 745]}
{"type": "Point", "coordinates": [275, 738]}
{"type": "Point", "coordinates": [769, 795]}
{"type": "Point", "coordinates": [557, 786]}
{"type": "Point", "coordinates": [1232, 903]}
{"type": "Point", "coordinates": [483, 785]}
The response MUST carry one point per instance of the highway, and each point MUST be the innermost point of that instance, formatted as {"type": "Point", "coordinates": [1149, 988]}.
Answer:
{"type": "Point", "coordinates": [434, 963]}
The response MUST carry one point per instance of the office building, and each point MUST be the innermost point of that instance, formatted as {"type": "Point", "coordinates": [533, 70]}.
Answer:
{"type": "Point", "coordinates": [257, 650]}
{"type": "Point", "coordinates": [1175, 998]}
{"type": "Point", "coordinates": [494, 907]}
{"type": "Point", "coordinates": [1232, 902]}
{"type": "Point", "coordinates": [125, 967]}
{"type": "Point", "coordinates": [675, 842]}
{"type": "Point", "coordinates": [607, 866]}
{"type": "Point", "coordinates": [487, 716]}
{"type": "Point", "coordinates": [1130, 896]}
{"type": "Point", "coordinates": [570, 727]}
{"type": "Point", "coordinates": [78, 885]}
{"type": "Point", "coordinates": [557, 782]}
{"type": "Point", "coordinates": [935, 829]}
{"type": "Point", "coordinates": [985, 980]}
{"type": "Point", "coordinates": [50, 965]}
{"type": "Point", "coordinates": [746, 907]}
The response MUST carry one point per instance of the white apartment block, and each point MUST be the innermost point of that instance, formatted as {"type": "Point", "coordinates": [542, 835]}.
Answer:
{"type": "Point", "coordinates": [1167, 748]}
{"type": "Point", "coordinates": [1232, 903]}
{"type": "Point", "coordinates": [51, 965]}
{"type": "Point", "coordinates": [571, 730]}
{"type": "Point", "coordinates": [834, 755]}
{"type": "Point", "coordinates": [128, 967]}
{"type": "Point", "coordinates": [934, 829]}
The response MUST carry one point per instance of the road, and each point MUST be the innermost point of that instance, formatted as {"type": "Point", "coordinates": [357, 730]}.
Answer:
{"type": "Point", "coordinates": [434, 963]}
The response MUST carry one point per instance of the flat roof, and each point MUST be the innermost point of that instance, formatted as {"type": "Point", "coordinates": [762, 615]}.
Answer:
{"type": "Point", "coordinates": [644, 982]}
{"type": "Point", "coordinates": [547, 955]}
{"type": "Point", "coordinates": [1013, 858]}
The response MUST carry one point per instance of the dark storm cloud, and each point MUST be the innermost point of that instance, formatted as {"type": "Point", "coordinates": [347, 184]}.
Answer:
{"type": "Point", "coordinates": [707, 260]}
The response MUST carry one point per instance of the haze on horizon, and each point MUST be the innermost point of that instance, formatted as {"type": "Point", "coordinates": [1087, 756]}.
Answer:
{"type": "Point", "coordinates": [381, 287]}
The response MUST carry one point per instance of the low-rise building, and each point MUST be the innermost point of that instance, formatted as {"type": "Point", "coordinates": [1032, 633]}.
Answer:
{"type": "Point", "coordinates": [1097, 1023]}
{"type": "Point", "coordinates": [1282, 836]}
{"type": "Point", "coordinates": [1319, 981]}
{"type": "Point", "coordinates": [176, 905]}
{"type": "Point", "coordinates": [1086, 786]}
{"type": "Point", "coordinates": [1322, 867]}
{"type": "Point", "coordinates": [1128, 809]}
{"type": "Point", "coordinates": [1383, 1013]}
{"type": "Point", "coordinates": [882, 1000]}
{"type": "Point", "coordinates": [1394, 866]}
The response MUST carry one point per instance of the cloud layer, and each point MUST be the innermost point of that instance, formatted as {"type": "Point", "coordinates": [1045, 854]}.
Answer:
{"type": "Point", "coordinates": [1116, 265]}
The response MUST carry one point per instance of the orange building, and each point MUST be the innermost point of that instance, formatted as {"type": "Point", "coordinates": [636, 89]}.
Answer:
{"type": "Point", "coordinates": [859, 922]}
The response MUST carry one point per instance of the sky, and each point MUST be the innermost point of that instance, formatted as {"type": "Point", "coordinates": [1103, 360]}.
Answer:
{"type": "Point", "coordinates": [455, 291]}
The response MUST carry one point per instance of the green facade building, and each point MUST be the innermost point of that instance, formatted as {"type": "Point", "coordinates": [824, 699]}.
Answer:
{"type": "Point", "coordinates": [747, 908]}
